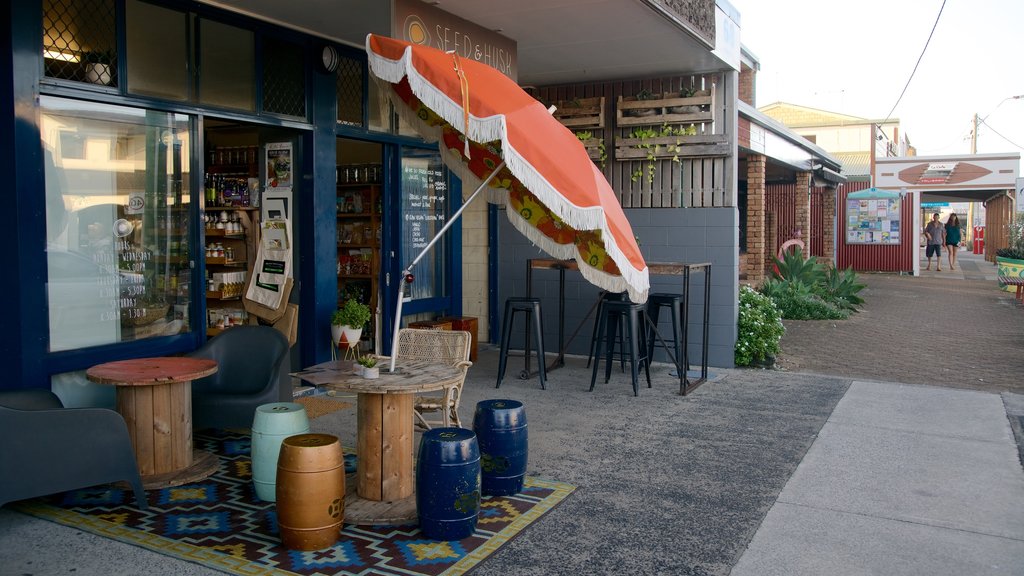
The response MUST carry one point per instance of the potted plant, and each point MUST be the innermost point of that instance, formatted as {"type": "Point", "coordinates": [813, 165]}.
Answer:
{"type": "Point", "coordinates": [347, 322]}
{"type": "Point", "coordinates": [1010, 260]}
{"type": "Point", "coordinates": [369, 366]}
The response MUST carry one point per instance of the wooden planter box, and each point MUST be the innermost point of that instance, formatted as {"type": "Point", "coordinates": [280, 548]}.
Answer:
{"type": "Point", "coordinates": [688, 147]}
{"type": "Point", "coordinates": [580, 113]}
{"type": "Point", "coordinates": [592, 146]}
{"type": "Point", "coordinates": [667, 109]}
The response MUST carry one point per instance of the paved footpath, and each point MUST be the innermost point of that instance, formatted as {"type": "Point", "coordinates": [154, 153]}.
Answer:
{"type": "Point", "coordinates": [921, 479]}
{"type": "Point", "coordinates": [949, 328]}
{"type": "Point", "coordinates": [902, 479]}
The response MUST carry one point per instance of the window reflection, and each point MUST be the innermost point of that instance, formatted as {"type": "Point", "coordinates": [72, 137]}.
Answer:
{"type": "Point", "coordinates": [117, 223]}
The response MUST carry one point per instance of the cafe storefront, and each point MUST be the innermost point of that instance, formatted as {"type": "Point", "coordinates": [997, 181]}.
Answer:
{"type": "Point", "coordinates": [156, 148]}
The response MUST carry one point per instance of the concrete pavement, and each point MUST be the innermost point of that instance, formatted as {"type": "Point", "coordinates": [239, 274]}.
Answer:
{"type": "Point", "coordinates": [756, 472]}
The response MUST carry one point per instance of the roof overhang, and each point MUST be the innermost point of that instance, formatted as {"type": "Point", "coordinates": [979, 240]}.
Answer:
{"type": "Point", "coordinates": [569, 41]}
{"type": "Point", "coordinates": [784, 147]}
{"type": "Point", "coordinates": [958, 178]}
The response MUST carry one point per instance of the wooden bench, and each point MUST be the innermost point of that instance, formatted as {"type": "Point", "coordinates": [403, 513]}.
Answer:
{"type": "Point", "coordinates": [1014, 281]}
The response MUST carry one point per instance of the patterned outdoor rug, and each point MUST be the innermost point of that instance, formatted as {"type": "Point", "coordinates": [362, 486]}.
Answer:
{"type": "Point", "coordinates": [220, 523]}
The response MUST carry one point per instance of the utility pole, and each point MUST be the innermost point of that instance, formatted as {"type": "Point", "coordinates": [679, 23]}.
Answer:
{"type": "Point", "coordinates": [974, 135]}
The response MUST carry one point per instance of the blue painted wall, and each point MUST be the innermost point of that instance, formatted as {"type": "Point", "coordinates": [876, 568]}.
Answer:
{"type": "Point", "coordinates": [666, 235]}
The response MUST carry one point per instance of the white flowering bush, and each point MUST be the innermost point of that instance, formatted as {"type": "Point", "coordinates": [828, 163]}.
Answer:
{"type": "Point", "coordinates": [759, 328]}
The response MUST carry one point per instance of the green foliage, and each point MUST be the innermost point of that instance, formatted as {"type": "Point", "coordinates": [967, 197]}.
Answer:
{"type": "Point", "coordinates": [840, 287]}
{"type": "Point", "coordinates": [759, 328]}
{"type": "Point", "coordinates": [795, 268]}
{"type": "Point", "coordinates": [1015, 237]}
{"type": "Point", "coordinates": [804, 290]}
{"type": "Point", "coordinates": [353, 314]}
{"type": "Point", "coordinates": [367, 361]}
{"type": "Point", "coordinates": [652, 149]}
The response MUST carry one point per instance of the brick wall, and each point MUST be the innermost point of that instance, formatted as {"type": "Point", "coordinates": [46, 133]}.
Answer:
{"type": "Point", "coordinates": [828, 223]}
{"type": "Point", "coordinates": [474, 265]}
{"type": "Point", "coordinates": [803, 205]}
{"type": "Point", "coordinates": [755, 218]}
{"type": "Point", "coordinates": [748, 85]}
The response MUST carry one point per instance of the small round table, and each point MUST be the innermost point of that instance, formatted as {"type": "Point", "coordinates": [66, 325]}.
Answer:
{"type": "Point", "coordinates": [385, 482]}
{"type": "Point", "coordinates": [154, 395]}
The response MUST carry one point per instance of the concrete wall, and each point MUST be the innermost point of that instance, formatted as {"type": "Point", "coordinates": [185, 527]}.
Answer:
{"type": "Point", "coordinates": [666, 235]}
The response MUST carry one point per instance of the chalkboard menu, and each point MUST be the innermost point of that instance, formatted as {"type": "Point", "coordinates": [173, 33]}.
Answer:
{"type": "Point", "coordinates": [424, 212]}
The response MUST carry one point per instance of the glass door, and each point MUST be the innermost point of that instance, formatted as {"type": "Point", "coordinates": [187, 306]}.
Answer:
{"type": "Point", "coordinates": [426, 198]}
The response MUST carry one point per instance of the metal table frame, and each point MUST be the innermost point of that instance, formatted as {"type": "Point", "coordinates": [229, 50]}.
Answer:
{"type": "Point", "coordinates": [686, 385]}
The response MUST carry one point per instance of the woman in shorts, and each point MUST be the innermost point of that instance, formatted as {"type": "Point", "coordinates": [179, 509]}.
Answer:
{"type": "Point", "coordinates": [952, 239]}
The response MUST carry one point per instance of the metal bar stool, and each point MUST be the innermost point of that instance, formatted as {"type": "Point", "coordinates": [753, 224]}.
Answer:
{"type": "Point", "coordinates": [674, 302]}
{"type": "Point", "coordinates": [606, 297]}
{"type": "Point", "coordinates": [634, 330]}
{"type": "Point", "coordinates": [531, 307]}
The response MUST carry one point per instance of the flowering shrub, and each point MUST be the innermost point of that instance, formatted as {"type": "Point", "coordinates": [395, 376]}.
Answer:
{"type": "Point", "coordinates": [759, 328]}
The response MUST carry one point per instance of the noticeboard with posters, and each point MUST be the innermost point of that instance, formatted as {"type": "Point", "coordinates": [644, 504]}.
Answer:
{"type": "Point", "coordinates": [873, 220]}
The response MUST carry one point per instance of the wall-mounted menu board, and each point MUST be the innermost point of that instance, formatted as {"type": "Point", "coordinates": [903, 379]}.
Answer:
{"type": "Point", "coordinates": [873, 221]}
{"type": "Point", "coordinates": [424, 212]}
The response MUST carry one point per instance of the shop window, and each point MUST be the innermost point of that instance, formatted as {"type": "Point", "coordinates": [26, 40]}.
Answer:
{"type": "Point", "coordinates": [156, 42]}
{"type": "Point", "coordinates": [117, 223]}
{"type": "Point", "coordinates": [351, 73]}
{"type": "Point", "coordinates": [80, 41]}
{"type": "Point", "coordinates": [284, 78]}
{"type": "Point", "coordinates": [227, 64]}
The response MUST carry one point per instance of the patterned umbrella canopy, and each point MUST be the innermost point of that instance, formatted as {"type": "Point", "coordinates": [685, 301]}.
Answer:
{"type": "Point", "coordinates": [491, 132]}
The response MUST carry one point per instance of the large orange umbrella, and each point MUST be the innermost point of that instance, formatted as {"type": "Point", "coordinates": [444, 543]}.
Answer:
{"type": "Point", "coordinates": [495, 135]}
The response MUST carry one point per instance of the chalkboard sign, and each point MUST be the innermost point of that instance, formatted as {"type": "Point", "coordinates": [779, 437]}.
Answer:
{"type": "Point", "coordinates": [424, 212]}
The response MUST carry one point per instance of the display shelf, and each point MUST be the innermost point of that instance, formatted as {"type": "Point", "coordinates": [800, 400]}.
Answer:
{"type": "Point", "coordinates": [359, 228]}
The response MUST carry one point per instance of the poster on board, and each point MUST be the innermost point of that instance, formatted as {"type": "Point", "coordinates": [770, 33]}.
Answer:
{"type": "Point", "coordinates": [873, 220]}
{"type": "Point", "coordinates": [279, 165]}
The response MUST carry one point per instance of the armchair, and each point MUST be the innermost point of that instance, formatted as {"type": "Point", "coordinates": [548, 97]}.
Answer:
{"type": "Point", "coordinates": [251, 370]}
{"type": "Point", "coordinates": [46, 448]}
{"type": "Point", "coordinates": [445, 346]}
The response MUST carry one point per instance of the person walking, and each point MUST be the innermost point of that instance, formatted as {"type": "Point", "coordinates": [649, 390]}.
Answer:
{"type": "Point", "coordinates": [936, 234]}
{"type": "Point", "coordinates": [952, 239]}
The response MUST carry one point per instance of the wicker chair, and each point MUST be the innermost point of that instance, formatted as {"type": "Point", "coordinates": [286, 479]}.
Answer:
{"type": "Point", "coordinates": [449, 347]}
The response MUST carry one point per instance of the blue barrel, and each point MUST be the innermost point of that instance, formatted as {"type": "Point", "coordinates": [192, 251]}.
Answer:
{"type": "Point", "coordinates": [500, 427]}
{"type": "Point", "coordinates": [271, 424]}
{"type": "Point", "coordinates": [448, 483]}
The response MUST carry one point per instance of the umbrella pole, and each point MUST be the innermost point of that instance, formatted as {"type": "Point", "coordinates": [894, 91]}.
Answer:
{"type": "Point", "coordinates": [407, 275]}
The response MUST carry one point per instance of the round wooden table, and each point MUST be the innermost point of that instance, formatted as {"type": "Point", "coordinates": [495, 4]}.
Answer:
{"type": "Point", "coordinates": [384, 491]}
{"type": "Point", "coordinates": [154, 395]}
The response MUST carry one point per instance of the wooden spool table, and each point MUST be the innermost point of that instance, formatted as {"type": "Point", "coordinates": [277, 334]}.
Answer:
{"type": "Point", "coordinates": [384, 490]}
{"type": "Point", "coordinates": [154, 395]}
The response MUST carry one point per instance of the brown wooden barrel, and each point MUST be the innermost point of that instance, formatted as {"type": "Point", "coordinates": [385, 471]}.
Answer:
{"type": "Point", "coordinates": [310, 491]}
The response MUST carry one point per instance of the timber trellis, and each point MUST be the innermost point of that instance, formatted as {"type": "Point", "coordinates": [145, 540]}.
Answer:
{"type": "Point", "coordinates": [689, 169]}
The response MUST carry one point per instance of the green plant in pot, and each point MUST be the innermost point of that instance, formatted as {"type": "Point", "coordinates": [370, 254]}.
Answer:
{"type": "Point", "coordinates": [369, 366]}
{"type": "Point", "coordinates": [348, 321]}
{"type": "Point", "coordinates": [1010, 260]}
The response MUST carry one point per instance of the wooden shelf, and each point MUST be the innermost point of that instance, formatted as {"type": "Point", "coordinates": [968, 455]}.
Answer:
{"type": "Point", "coordinates": [216, 233]}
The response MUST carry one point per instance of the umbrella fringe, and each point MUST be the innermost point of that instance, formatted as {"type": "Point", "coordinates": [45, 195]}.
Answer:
{"type": "Point", "coordinates": [635, 282]}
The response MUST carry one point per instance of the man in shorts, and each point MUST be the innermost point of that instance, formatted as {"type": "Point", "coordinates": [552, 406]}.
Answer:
{"type": "Point", "coordinates": [936, 234]}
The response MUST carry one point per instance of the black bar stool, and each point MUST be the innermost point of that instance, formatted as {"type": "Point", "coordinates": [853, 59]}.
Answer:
{"type": "Point", "coordinates": [674, 302]}
{"type": "Point", "coordinates": [530, 306]}
{"type": "Point", "coordinates": [634, 330]}
{"type": "Point", "coordinates": [605, 297]}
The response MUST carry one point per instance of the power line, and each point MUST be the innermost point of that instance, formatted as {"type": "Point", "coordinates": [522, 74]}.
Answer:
{"type": "Point", "coordinates": [914, 71]}
{"type": "Point", "coordinates": [1000, 135]}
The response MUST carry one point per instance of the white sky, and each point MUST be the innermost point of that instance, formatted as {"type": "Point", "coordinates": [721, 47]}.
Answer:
{"type": "Point", "coordinates": [855, 58]}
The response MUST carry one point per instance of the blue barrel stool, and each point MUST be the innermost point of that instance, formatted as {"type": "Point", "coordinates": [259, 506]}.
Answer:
{"type": "Point", "coordinates": [500, 427]}
{"type": "Point", "coordinates": [448, 483]}
{"type": "Point", "coordinates": [270, 426]}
